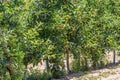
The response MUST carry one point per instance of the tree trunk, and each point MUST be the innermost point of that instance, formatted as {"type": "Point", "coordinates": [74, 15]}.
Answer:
{"type": "Point", "coordinates": [79, 60]}
{"type": "Point", "coordinates": [67, 60]}
{"type": "Point", "coordinates": [114, 57]}
{"type": "Point", "coordinates": [47, 65]}
{"type": "Point", "coordinates": [9, 68]}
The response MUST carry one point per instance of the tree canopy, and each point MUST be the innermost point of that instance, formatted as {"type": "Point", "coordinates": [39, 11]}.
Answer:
{"type": "Point", "coordinates": [35, 30]}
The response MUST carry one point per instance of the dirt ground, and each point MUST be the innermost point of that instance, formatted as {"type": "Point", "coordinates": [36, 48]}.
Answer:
{"type": "Point", "coordinates": [112, 73]}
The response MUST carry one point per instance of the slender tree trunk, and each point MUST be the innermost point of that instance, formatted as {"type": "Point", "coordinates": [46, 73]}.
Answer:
{"type": "Point", "coordinates": [114, 57]}
{"type": "Point", "coordinates": [79, 60]}
{"type": "Point", "coordinates": [67, 60]}
{"type": "Point", "coordinates": [47, 65]}
{"type": "Point", "coordinates": [9, 68]}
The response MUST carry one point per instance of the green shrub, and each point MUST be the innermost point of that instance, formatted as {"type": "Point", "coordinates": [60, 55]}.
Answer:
{"type": "Point", "coordinates": [75, 66]}
{"type": "Point", "coordinates": [79, 65]}
{"type": "Point", "coordinates": [36, 75]}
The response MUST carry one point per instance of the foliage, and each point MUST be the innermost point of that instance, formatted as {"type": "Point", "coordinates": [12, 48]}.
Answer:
{"type": "Point", "coordinates": [36, 75]}
{"type": "Point", "coordinates": [50, 30]}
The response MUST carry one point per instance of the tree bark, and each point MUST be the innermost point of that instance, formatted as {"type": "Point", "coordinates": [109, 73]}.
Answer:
{"type": "Point", "coordinates": [67, 60]}
{"type": "Point", "coordinates": [47, 65]}
{"type": "Point", "coordinates": [114, 57]}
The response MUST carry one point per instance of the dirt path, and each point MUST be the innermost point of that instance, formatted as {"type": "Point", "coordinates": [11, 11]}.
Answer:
{"type": "Point", "coordinates": [111, 73]}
